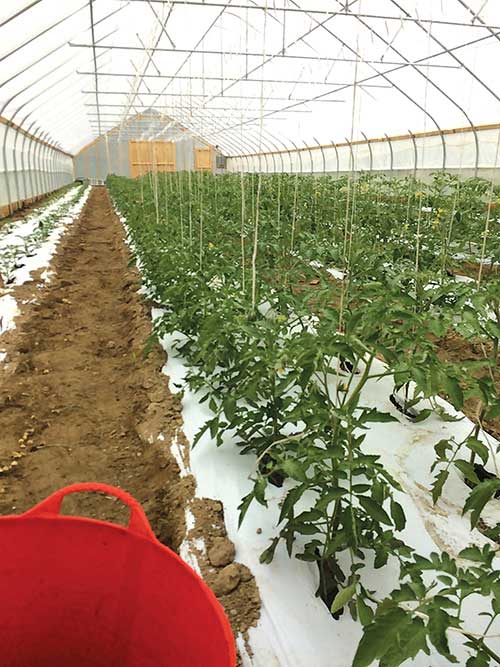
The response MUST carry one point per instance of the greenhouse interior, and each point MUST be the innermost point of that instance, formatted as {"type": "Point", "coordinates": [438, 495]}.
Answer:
{"type": "Point", "coordinates": [250, 323]}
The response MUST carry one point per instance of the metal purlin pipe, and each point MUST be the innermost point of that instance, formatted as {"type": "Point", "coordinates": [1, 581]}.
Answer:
{"type": "Point", "coordinates": [40, 34]}
{"type": "Point", "coordinates": [263, 64]}
{"type": "Point", "coordinates": [391, 153]}
{"type": "Point", "coordinates": [18, 13]}
{"type": "Point", "coordinates": [415, 153]}
{"type": "Point", "coordinates": [271, 57]}
{"type": "Point", "coordinates": [11, 119]}
{"type": "Point", "coordinates": [379, 74]}
{"type": "Point", "coordinates": [369, 150]}
{"type": "Point", "coordinates": [200, 41]}
{"type": "Point", "coordinates": [384, 74]}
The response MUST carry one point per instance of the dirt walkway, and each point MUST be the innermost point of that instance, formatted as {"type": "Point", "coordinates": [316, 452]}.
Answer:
{"type": "Point", "coordinates": [76, 403]}
{"type": "Point", "coordinates": [79, 402]}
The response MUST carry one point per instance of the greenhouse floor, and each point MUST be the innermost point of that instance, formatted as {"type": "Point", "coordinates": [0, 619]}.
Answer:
{"type": "Point", "coordinates": [80, 402]}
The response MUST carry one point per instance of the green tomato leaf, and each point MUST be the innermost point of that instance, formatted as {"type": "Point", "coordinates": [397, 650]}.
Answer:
{"type": "Point", "coordinates": [478, 448]}
{"type": "Point", "coordinates": [342, 598]}
{"type": "Point", "coordinates": [439, 622]}
{"type": "Point", "coordinates": [375, 510]}
{"type": "Point", "coordinates": [379, 636]}
{"type": "Point", "coordinates": [437, 486]}
{"type": "Point", "coordinates": [479, 497]}
{"type": "Point", "coordinates": [398, 515]}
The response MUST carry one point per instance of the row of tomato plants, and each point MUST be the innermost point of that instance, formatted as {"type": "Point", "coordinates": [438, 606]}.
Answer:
{"type": "Point", "coordinates": [46, 218]}
{"type": "Point", "coordinates": [282, 352]}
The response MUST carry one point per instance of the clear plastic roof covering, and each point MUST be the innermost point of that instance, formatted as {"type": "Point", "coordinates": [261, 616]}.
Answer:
{"type": "Point", "coordinates": [249, 75]}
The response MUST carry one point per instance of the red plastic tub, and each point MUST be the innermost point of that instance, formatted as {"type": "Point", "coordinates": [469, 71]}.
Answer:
{"type": "Point", "coordinates": [75, 592]}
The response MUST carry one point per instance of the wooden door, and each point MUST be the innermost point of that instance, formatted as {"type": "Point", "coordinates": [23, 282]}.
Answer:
{"type": "Point", "coordinates": [203, 159]}
{"type": "Point", "coordinates": [151, 156]}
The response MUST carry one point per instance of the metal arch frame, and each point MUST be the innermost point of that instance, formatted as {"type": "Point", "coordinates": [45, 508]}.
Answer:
{"type": "Point", "coordinates": [337, 157]}
{"type": "Point", "coordinates": [279, 152]}
{"type": "Point", "coordinates": [415, 153]}
{"type": "Point", "coordinates": [57, 48]}
{"type": "Point", "coordinates": [299, 153]}
{"type": "Point", "coordinates": [16, 137]}
{"type": "Point", "coordinates": [43, 32]}
{"type": "Point", "coordinates": [353, 169]}
{"type": "Point", "coordinates": [14, 114]}
{"type": "Point", "coordinates": [450, 52]}
{"type": "Point", "coordinates": [310, 157]}
{"type": "Point", "coordinates": [383, 75]}
{"type": "Point", "coordinates": [443, 144]}
{"type": "Point", "coordinates": [391, 153]}
{"type": "Point", "coordinates": [23, 144]}
{"type": "Point", "coordinates": [36, 166]}
{"type": "Point", "coordinates": [18, 13]}
{"type": "Point", "coordinates": [369, 150]}
{"type": "Point", "coordinates": [418, 21]}
{"type": "Point", "coordinates": [461, 64]}
{"type": "Point", "coordinates": [322, 154]}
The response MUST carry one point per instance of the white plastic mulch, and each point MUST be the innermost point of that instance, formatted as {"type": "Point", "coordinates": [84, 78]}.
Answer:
{"type": "Point", "coordinates": [13, 243]}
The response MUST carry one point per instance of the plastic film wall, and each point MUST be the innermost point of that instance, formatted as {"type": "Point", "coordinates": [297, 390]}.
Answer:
{"type": "Point", "coordinates": [29, 168]}
{"type": "Point", "coordinates": [466, 151]}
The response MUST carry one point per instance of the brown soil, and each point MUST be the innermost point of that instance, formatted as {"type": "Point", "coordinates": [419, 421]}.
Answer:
{"type": "Point", "coordinates": [79, 402]}
{"type": "Point", "coordinates": [456, 349]}
{"type": "Point", "coordinates": [471, 270]}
